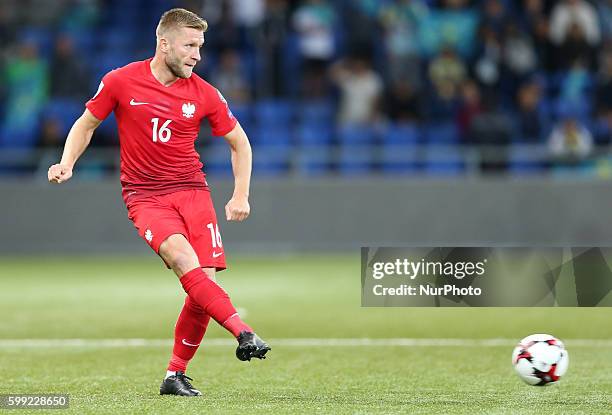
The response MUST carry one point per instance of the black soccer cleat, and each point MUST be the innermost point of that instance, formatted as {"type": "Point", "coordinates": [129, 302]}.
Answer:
{"type": "Point", "coordinates": [250, 345]}
{"type": "Point", "coordinates": [178, 385]}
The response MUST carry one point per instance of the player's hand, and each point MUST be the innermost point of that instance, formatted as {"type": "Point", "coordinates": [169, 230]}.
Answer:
{"type": "Point", "coordinates": [237, 209]}
{"type": "Point", "coordinates": [59, 173]}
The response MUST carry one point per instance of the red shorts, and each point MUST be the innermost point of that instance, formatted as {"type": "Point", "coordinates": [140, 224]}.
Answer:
{"type": "Point", "coordinates": [186, 212]}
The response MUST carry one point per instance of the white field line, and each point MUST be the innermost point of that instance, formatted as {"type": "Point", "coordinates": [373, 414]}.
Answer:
{"type": "Point", "coordinates": [288, 342]}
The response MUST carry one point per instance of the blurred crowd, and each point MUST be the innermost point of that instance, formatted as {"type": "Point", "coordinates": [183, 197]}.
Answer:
{"type": "Point", "coordinates": [351, 74]}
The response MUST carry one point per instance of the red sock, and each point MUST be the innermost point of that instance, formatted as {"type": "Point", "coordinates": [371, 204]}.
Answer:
{"type": "Point", "coordinates": [213, 300]}
{"type": "Point", "coordinates": [188, 333]}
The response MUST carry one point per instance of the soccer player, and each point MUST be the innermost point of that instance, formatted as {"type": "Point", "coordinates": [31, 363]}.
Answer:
{"type": "Point", "coordinates": [159, 104]}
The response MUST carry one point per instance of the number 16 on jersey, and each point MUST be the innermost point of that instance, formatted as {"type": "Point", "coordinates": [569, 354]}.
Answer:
{"type": "Point", "coordinates": [164, 133]}
{"type": "Point", "coordinates": [215, 236]}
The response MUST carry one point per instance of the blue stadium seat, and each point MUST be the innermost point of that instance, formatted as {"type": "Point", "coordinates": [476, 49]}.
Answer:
{"type": "Point", "coordinates": [272, 136]}
{"type": "Point", "coordinates": [116, 39]}
{"type": "Point", "coordinates": [579, 107]}
{"type": "Point", "coordinates": [444, 160]}
{"type": "Point", "coordinates": [65, 111]}
{"type": "Point", "coordinates": [602, 131]}
{"type": "Point", "coordinates": [42, 38]}
{"type": "Point", "coordinates": [271, 161]}
{"type": "Point", "coordinates": [244, 115]}
{"type": "Point", "coordinates": [125, 14]}
{"type": "Point", "coordinates": [313, 160]}
{"type": "Point", "coordinates": [274, 112]}
{"type": "Point", "coordinates": [106, 62]}
{"type": "Point", "coordinates": [525, 159]}
{"type": "Point", "coordinates": [400, 159]}
{"type": "Point", "coordinates": [355, 161]}
{"type": "Point", "coordinates": [314, 134]}
{"type": "Point", "coordinates": [85, 42]}
{"type": "Point", "coordinates": [316, 112]}
{"type": "Point", "coordinates": [442, 133]}
{"type": "Point", "coordinates": [353, 134]}
{"type": "Point", "coordinates": [109, 127]}
{"type": "Point", "coordinates": [22, 136]}
{"type": "Point", "coordinates": [216, 160]}
{"type": "Point", "coordinates": [292, 64]}
{"type": "Point", "coordinates": [402, 133]}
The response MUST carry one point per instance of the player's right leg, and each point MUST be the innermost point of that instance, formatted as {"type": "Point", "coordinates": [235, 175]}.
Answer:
{"type": "Point", "coordinates": [178, 253]}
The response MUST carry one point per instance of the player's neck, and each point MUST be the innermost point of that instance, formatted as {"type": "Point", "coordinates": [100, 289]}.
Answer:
{"type": "Point", "coordinates": [161, 72]}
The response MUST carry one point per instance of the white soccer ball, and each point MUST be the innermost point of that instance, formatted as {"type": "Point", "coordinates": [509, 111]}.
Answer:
{"type": "Point", "coordinates": [540, 359]}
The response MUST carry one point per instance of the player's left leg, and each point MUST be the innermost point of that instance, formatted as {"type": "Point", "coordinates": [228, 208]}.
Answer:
{"type": "Point", "coordinates": [189, 330]}
{"type": "Point", "coordinates": [188, 334]}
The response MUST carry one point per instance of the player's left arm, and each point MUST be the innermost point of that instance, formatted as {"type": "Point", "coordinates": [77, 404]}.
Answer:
{"type": "Point", "coordinates": [238, 209]}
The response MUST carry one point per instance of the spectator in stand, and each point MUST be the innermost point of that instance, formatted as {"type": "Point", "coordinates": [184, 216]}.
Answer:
{"type": "Point", "coordinates": [605, 15]}
{"type": "Point", "coordinates": [455, 25]}
{"type": "Point", "coordinates": [491, 129]}
{"type": "Point", "coordinates": [358, 14]}
{"type": "Point", "coordinates": [519, 54]}
{"type": "Point", "coordinates": [487, 67]}
{"type": "Point", "coordinates": [273, 34]}
{"type": "Point", "coordinates": [574, 48]}
{"type": "Point", "coordinates": [228, 77]}
{"type": "Point", "coordinates": [574, 91]}
{"type": "Point", "coordinates": [469, 107]}
{"type": "Point", "coordinates": [8, 26]}
{"type": "Point", "coordinates": [400, 22]}
{"type": "Point", "coordinates": [38, 13]}
{"type": "Point", "coordinates": [531, 12]}
{"type": "Point", "coordinates": [574, 12]}
{"type": "Point", "coordinates": [227, 34]}
{"type": "Point", "coordinates": [314, 22]}
{"type": "Point", "coordinates": [211, 9]}
{"type": "Point", "coordinates": [570, 141]}
{"type": "Point", "coordinates": [26, 76]}
{"type": "Point", "coordinates": [7, 37]}
{"type": "Point", "coordinates": [248, 14]}
{"type": "Point", "coordinates": [604, 94]}
{"type": "Point", "coordinates": [531, 119]}
{"type": "Point", "coordinates": [360, 91]}
{"type": "Point", "coordinates": [495, 15]}
{"type": "Point", "coordinates": [79, 15]}
{"type": "Point", "coordinates": [403, 102]}
{"type": "Point", "coordinates": [51, 135]}
{"type": "Point", "coordinates": [446, 73]}
{"type": "Point", "coordinates": [69, 76]}
{"type": "Point", "coordinates": [542, 43]}
{"type": "Point", "coordinates": [604, 82]}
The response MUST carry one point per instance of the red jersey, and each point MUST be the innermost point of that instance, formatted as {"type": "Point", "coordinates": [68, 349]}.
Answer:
{"type": "Point", "coordinates": [158, 126]}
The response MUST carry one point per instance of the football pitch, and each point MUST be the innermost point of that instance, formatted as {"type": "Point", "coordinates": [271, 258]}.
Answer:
{"type": "Point", "coordinates": [100, 330]}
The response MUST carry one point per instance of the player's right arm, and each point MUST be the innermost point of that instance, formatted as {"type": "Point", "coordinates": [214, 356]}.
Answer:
{"type": "Point", "coordinates": [78, 139]}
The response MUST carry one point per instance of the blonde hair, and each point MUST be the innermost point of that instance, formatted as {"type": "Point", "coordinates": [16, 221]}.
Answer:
{"type": "Point", "coordinates": [175, 18]}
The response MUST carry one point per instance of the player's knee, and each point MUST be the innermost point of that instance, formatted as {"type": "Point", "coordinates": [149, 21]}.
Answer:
{"type": "Point", "coordinates": [178, 254]}
{"type": "Point", "coordinates": [182, 262]}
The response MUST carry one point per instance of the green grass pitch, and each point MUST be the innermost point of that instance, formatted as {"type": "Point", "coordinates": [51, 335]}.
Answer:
{"type": "Point", "coordinates": [283, 298]}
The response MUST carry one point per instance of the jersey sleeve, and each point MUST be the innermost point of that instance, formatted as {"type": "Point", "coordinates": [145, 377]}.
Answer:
{"type": "Point", "coordinates": [104, 101]}
{"type": "Point", "coordinates": [220, 117]}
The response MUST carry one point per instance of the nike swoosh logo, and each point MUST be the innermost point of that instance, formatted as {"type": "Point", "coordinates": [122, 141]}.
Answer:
{"type": "Point", "coordinates": [217, 254]}
{"type": "Point", "coordinates": [132, 102]}
{"type": "Point", "coordinates": [190, 344]}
